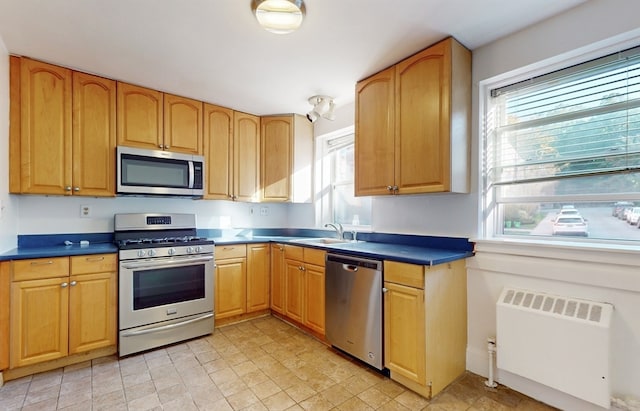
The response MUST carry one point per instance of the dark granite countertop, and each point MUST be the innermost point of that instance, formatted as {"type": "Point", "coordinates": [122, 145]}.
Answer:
{"type": "Point", "coordinates": [415, 249]}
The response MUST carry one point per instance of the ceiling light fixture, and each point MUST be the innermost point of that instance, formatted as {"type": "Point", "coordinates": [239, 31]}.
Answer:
{"type": "Point", "coordinates": [279, 16]}
{"type": "Point", "coordinates": [323, 106]}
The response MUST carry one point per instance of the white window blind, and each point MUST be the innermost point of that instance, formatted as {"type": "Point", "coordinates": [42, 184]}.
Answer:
{"type": "Point", "coordinates": [580, 121]}
{"type": "Point", "coordinates": [566, 141]}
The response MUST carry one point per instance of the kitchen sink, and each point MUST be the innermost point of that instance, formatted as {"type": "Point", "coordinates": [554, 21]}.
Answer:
{"type": "Point", "coordinates": [322, 240]}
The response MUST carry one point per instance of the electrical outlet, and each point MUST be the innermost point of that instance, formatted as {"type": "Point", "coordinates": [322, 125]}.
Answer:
{"type": "Point", "coordinates": [85, 211]}
{"type": "Point", "coordinates": [264, 211]}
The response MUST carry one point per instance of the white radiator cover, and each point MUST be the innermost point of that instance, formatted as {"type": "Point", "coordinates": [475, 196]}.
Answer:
{"type": "Point", "coordinates": [561, 342]}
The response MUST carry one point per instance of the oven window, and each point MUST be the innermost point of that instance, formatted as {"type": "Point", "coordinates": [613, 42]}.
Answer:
{"type": "Point", "coordinates": [152, 288]}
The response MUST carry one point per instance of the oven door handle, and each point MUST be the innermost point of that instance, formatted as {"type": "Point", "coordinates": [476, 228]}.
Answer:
{"type": "Point", "coordinates": [170, 263]}
{"type": "Point", "coordinates": [165, 327]}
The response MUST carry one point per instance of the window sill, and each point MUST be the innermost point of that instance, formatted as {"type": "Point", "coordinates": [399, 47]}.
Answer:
{"type": "Point", "coordinates": [602, 265]}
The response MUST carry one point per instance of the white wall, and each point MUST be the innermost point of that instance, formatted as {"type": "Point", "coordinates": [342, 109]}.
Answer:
{"type": "Point", "coordinates": [44, 215]}
{"type": "Point", "coordinates": [593, 28]}
{"type": "Point", "coordinates": [8, 206]}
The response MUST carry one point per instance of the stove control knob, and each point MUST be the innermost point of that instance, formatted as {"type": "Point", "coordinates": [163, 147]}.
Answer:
{"type": "Point", "coordinates": [189, 250]}
{"type": "Point", "coordinates": [141, 253]}
{"type": "Point", "coordinates": [171, 251]}
{"type": "Point", "coordinates": [152, 252]}
{"type": "Point", "coordinates": [198, 249]}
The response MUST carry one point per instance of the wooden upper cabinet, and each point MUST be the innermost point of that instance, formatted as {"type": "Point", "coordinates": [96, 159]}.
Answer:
{"type": "Point", "coordinates": [246, 162]}
{"type": "Point", "coordinates": [375, 139]}
{"type": "Point", "coordinates": [218, 151]}
{"type": "Point", "coordinates": [182, 124]}
{"type": "Point", "coordinates": [276, 157]}
{"type": "Point", "coordinates": [416, 140]}
{"type": "Point", "coordinates": [44, 137]}
{"type": "Point", "coordinates": [63, 131]}
{"type": "Point", "coordinates": [140, 117]}
{"type": "Point", "coordinates": [94, 135]}
{"type": "Point", "coordinates": [286, 156]}
{"type": "Point", "coordinates": [421, 121]}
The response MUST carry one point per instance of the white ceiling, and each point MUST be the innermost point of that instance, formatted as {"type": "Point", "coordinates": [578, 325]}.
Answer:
{"type": "Point", "coordinates": [214, 50]}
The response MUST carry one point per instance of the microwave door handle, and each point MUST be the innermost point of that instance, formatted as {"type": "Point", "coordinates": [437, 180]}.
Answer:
{"type": "Point", "coordinates": [163, 264]}
{"type": "Point", "coordinates": [191, 174]}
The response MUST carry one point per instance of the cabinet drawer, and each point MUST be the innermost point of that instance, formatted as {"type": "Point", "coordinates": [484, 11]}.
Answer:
{"type": "Point", "coordinates": [293, 252]}
{"type": "Point", "coordinates": [411, 275]}
{"type": "Point", "coordinates": [97, 263]}
{"type": "Point", "coordinates": [314, 256]}
{"type": "Point", "coordinates": [230, 251]}
{"type": "Point", "coordinates": [39, 268]}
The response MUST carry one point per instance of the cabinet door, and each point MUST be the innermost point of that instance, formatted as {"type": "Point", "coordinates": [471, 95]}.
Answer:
{"type": "Point", "coordinates": [46, 130]}
{"type": "Point", "coordinates": [314, 297]}
{"type": "Point", "coordinates": [139, 117]}
{"type": "Point", "coordinates": [231, 287]}
{"type": "Point", "coordinates": [94, 135]}
{"type": "Point", "coordinates": [5, 297]}
{"type": "Point", "coordinates": [277, 278]}
{"type": "Point", "coordinates": [246, 164]}
{"type": "Point", "coordinates": [182, 124]}
{"type": "Point", "coordinates": [92, 311]}
{"type": "Point", "coordinates": [276, 157]}
{"type": "Point", "coordinates": [258, 259]}
{"type": "Point", "coordinates": [422, 161]}
{"type": "Point", "coordinates": [404, 331]}
{"type": "Point", "coordinates": [374, 138]}
{"type": "Point", "coordinates": [294, 290]}
{"type": "Point", "coordinates": [218, 151]}
{"type": "Point", "coordinates": [39, 320]}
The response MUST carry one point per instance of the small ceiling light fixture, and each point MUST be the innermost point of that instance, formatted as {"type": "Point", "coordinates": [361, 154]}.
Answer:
{"type": "Point", "coordinates": [279, 16]}
{"type": "Point", "coordinates": [322, 107]}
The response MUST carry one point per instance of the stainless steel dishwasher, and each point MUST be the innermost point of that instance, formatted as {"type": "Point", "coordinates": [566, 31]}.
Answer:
{"type": "Point", "coordinates": [353, 296]}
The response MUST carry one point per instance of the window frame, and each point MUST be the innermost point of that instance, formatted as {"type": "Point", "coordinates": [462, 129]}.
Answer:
{"type": "Point", "coordinates": [325, 177]}
{"type": "Point", "coordinates": [490, 219]}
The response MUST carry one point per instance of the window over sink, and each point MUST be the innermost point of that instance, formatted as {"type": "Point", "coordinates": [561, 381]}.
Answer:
{"type": "Point", "coordinates": [335, 199]}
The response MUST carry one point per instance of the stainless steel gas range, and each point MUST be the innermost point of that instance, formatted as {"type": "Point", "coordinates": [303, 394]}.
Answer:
{"type": "Point", "coordinates": [165, 280]}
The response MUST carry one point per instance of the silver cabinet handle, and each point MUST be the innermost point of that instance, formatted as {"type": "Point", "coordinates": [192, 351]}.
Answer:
{"type": "Point", "coordinates": [384, 290]}
{"type": "Point", "coordinates": [389, 188]}
{"type": "Point", "coordinates": [160, 146]}
{"type": "Point", "coordinates": [64, 285]}
{"type": "Point", "coordinates": [48, 262]}
{"type": "Point", "coordinates": [167, 147]}
{"type": "Point", "coordinates": [73, 283]}
{"type": "Point", "coordinates": [67, 188]}
{"type": "Point", "coordinates": [76, 189]}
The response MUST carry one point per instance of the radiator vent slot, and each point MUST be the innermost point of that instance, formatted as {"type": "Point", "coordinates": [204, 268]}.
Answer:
{"type": "Point", "coordinates": [558, 341]}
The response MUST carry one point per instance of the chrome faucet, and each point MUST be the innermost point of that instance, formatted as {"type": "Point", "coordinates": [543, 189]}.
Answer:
{"type": "Point", "coordinates": [338, 228]}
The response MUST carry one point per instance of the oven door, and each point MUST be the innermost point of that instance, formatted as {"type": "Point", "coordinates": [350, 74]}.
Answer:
{"type": "Point", "coordinates": [160, 289]}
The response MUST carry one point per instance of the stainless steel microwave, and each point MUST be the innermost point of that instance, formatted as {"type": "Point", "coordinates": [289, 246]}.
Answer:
{"type": "Point", "coordinates": [158, 173]}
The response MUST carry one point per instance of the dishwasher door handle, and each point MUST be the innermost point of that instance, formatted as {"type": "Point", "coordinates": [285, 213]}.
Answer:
{"type": "Point", "coordinates": [350, 267]}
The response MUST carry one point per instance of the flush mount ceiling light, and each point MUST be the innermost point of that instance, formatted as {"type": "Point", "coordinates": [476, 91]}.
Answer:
{"type": "Point", "coordinates": [279, 16]}
{"type": "Point", "coordinates": [322, 107]}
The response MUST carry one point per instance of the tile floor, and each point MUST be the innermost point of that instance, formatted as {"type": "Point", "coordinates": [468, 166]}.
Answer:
{"type": "Point", "coordinates": [262, 364]}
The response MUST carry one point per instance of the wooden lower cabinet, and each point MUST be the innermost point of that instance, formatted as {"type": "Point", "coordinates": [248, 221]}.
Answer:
{"type": "Point", "coordinates": [258, 284]}
{"type": "Point", "coordinates": [40, 313]}
{"type": "Point", "coordinates": [56, 312]}
{"type": "Point", "coordinates": [5, 297]}
{"type": "Point", "coordinates": [231, 281]}
{"type": "Point", "coordinates": [277, 278]}
{"type": "Point", "coordinates": [294, 290]}
{"type": "Point", "coordinates": [304, 300]}
{"type": "Point", "coordinates": [425, 324]}
{"type": "Point", "coordinates": [241, 279]}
